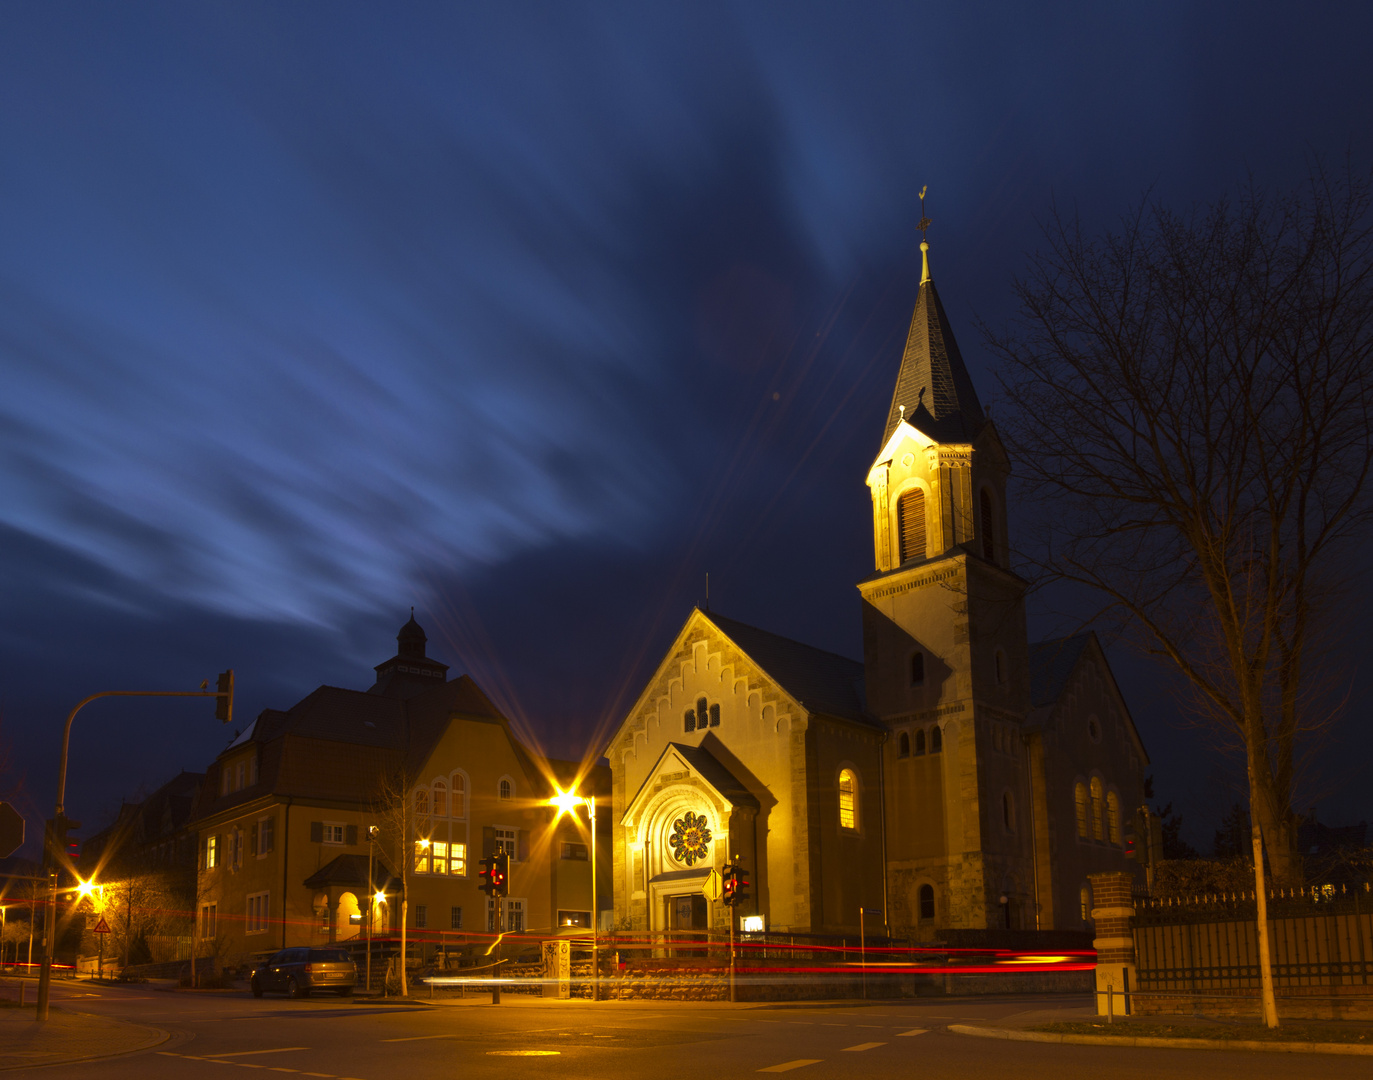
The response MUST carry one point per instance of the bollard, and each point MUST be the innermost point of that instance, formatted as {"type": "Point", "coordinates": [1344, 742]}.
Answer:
{"type": "Point", "coordinates": [1110, 1003]}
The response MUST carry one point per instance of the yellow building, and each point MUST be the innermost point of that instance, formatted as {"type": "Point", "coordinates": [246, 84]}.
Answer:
{"type": "Point", "coordinates": [286, 814]}
{"type": "Point", "coordinates": [956, 778]}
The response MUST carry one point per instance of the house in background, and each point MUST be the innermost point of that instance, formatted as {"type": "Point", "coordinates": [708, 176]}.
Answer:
{"type": "Point", "coordinates": [283, 818]}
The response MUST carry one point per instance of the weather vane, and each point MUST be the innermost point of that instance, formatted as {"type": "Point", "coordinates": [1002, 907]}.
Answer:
{"type": "Point", "coordinates": [924, 221]}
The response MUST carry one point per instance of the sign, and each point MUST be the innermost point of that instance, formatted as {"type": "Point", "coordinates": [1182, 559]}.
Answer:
{"type": "Point", "coordinates": [713, 886]}
{"type": "Point", "coordinates": [11, 830]}
{"type": "Point", "coordinates": [102, 927]}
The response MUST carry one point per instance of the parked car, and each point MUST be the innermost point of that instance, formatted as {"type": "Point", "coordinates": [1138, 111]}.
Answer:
{"type": "Point", "coordinates": [300, 971]}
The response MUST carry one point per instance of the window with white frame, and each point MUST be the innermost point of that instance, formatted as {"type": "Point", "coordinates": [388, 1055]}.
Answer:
{"type": "Point", "coordinates": [211, 852]}
{"type": "Point", "coordinates": [333, 832]}
{"type": "Point", "coordinates": [208, 918]}
{"type": "Point", "coordinates": [266, 836]}
{"type": "Point", "coordinates": [514, 916]}
{"type": "Point", "coordinates": [459, 801]}
{"type": "Point", "coordinates": [506, 789]}
{"type": "Point", "coordinates": [255, 921]}
{"type": "Point", "coordinates": [438, 799]}
{"type": "Point", "coordinates": [505, 842]}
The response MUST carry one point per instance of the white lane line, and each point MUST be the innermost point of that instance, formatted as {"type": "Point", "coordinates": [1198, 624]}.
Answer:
{"type": "Point", "coordinates": [913, 1031]}
{"type": "Point", "coordinates": [249, 1053]}
{"type": "Point", "coordinates": [787, 1066]}
{"type": "Point", "coordinates": [864, 1046]}
{"type": "Point", "coordinates": [419, 1038]}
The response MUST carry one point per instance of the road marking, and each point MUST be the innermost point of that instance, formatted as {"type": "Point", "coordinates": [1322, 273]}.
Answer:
{"type": "Point", "coordinates": [249, 1053]}
{"type": "Point", "coordinates": [913, 1031]}
{"type": "Point", "coordinates": [787, 1066]}
{"type": "Point", "coordinates": [879, 1026]}
{"type": "Point", "coordinates": [420, 1038]}
{"type": "Point", "coordinates": [864, 1046]}
{"type": "Point", "coordinates": [524, 1053]}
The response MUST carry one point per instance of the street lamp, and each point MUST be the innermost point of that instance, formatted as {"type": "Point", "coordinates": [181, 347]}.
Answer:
{"type": "Point", "coordinates": [566, 802]}
{"type": "Point", "coordinates": [372, 833]}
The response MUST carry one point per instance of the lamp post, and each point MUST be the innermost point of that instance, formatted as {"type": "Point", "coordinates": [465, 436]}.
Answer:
{"type": "Point", "coordinates": [565, 801]}
{"type": "Point", "coordinates": [372, 895]}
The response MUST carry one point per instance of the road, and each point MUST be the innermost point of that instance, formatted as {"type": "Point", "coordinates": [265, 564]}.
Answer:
{"type": "Point", "coordinates": [335, 1039]}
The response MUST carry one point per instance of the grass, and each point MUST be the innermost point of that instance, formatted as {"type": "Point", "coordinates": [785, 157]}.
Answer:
{"type": "Point", "coordinates": [1296, 1031]}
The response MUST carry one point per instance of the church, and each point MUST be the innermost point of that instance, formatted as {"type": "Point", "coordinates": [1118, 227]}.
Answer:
{"type": "Point", "coordinates": [958, 777]}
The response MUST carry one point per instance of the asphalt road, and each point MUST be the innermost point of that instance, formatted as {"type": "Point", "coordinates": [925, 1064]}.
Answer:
{"type": "Point", "coordinates": [334, 1039]}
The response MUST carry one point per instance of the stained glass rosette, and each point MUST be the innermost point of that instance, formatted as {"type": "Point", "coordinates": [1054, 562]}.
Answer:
{"type": "Point", "coordinates": [690, 839]}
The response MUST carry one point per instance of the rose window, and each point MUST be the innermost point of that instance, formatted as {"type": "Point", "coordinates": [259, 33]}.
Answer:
{"type": "Point", "coordinates": [690, 839]}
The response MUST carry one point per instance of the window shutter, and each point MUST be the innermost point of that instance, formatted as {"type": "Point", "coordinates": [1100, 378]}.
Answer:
{"type": "Point", "coordinates": [488, 840]}
{"type": "Point", "coordinates": [252, 840]}
{"type": "Point", "coordinates": [350, 835]}
{"type": "Point", "coordinates": [522, 845]}
{"type": "Point", "coordinates": [910, 512]}
{"type": "Point", "coordinates": [316, 832]}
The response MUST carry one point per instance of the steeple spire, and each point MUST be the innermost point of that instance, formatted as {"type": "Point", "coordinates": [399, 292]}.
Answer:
{"type": "Point", "coordinates": [934, 392]}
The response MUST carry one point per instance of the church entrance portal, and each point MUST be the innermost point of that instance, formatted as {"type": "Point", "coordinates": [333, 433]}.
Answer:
{"type": "Point", "coordinates": [687, 912]}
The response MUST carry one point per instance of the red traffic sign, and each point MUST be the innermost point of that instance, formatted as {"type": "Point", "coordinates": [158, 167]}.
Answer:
{"type": "Point", "coordinates": [11, 830]}
{"type": "Point", "coordinates": [102, 927]}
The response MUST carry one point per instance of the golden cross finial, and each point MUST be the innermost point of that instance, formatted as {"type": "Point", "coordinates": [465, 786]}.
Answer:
{"type": "Point", "coordinates": [924, 221]}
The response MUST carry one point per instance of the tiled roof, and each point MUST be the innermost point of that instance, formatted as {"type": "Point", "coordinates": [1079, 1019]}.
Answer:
{"type": "Point", "coordinates": [351, 870]}
{"type": "Point", "coordinates": [715, 774]}
{"type": "Point", "coordinates": [1051, 663]}
{"type": "Point", "coordinates": [823, 682]}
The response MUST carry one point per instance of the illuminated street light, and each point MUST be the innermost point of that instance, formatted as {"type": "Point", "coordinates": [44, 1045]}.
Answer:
{"type": "Point", "coordinates": [566, 802]}
{"type": "Point", "coordinates": [84, 889]}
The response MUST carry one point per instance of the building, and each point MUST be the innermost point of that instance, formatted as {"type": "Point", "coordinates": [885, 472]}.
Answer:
{"type": "Point", "coordinates": [958, 777]}
{"type": "Point", "coordinates": [283, 818]}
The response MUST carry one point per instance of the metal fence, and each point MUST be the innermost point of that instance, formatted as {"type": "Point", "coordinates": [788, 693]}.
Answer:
{"type": "Point", "coordinates": [1319, 938]}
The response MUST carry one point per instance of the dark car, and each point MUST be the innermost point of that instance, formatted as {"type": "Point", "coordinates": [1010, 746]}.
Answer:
{"type": "Point", "coordinates": [299, 971]}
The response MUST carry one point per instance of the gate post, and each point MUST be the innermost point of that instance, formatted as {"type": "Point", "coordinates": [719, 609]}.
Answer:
{"type": "Point", "coordinates": [1113, 908]}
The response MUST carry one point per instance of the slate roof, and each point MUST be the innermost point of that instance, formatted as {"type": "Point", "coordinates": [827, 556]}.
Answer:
{"type": "Point", "coordinates": [823, 682]}
{"type": "Point", "coordinates": [1051, 663]}
{"type": "Point", "coordinates": [933, 382]}
{"type": "Point", "coordinates": [351, 870]}
{"type": "Point", "coordinates": [715, 774]}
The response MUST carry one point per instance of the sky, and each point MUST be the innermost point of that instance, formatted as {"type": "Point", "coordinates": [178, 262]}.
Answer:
{"type": "Point", "coordinates": [529, 316]}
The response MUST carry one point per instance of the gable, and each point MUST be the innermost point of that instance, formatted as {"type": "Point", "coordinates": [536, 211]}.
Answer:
{"type": "Point", "coordinates": [681, 764]}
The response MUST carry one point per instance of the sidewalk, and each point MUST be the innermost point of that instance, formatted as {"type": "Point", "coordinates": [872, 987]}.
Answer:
{"type": "Point", "coordinates": [68, 1036]}
{"type": "Point", "coordinates": [1085, 1028]}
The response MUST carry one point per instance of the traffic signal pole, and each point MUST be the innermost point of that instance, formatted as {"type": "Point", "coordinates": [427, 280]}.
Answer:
{"type": "Point", "coordinates": [224, 712]}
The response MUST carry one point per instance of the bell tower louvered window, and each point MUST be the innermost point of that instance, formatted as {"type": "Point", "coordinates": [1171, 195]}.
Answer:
{"type": "Point", "coordinates": [910, 513]}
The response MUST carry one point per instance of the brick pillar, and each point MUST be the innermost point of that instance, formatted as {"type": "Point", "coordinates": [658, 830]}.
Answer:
{"type": "Point", "coordinates": [1113, 908]}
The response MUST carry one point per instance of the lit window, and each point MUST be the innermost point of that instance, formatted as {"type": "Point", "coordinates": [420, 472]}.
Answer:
{"type": "Point", "coordinates": [211, 852]}
{"type": "Point", "coordinates": [421, 856]}
{"type": "Point", "coordinates": [1098, 815]}
{"type": "Point", "coordinates": [457, 860]}
{"type": "Point", "coordinates": [1080, 799]}
{"type": "Point", "coordinates": [439, 857]}
{"type": "Point", "coordinates": [848, 800]}
{"type": "Point", "coordinates": [507, 790]}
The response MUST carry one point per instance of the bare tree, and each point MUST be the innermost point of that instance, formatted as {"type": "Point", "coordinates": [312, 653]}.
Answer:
{"type": "Point", "coordinates": [1190, 406]}
{"type": "Point", "coordinates": [393, 804]}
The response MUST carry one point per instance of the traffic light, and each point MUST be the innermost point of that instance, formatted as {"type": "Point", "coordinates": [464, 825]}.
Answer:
{"type": "Point", "coordinates": [59, 849]}
{"type": "Point", "coordinates": [500, 874]}
{"type": "Point", "coordinates": [224, 704]}
{"type": "Point", "coordinates": [735, 884]}
{"type": "Point", "coordinates": [487, 875]}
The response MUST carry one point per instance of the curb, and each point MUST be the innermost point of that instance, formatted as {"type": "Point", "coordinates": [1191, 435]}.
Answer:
{"type": "Point", "coordinates": [159, 1037]}
{"type": "Point", "coordinates": [1347, 1049]}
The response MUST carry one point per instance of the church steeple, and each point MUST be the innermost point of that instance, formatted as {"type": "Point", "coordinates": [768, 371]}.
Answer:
{"type": "Point", "coordinates": [934, 393]}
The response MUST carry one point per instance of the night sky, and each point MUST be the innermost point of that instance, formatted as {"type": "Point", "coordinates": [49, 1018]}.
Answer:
{"type": "Point", "coordinates": [529, 316]}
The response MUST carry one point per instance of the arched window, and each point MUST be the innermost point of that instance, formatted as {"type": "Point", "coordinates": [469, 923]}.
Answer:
{"type": "Point", "coordinates": [926, 902]}
{"type": "Point", "coordinates": [920, 743]}
{"type": "Point", "coordinates": [689, 720]}
{"type": "Point", "coordinates": [1084, 896]}
{"type": "Point", "coordinates": [506, 789]}
{"type": "Point", "coordinates": [1000, 668]}
{"type": "Point", "coordinates": [910, 515]}
{"type": "Point", "coordinates": [459, 795]}
{"type": "Point", "coordinates": [1007, 811]}
{"type": "Point", "coordinates": [1113, 817]}
{"type": "Point", "coordinates": [439, 798]}
{"type": "Point", "coordinates": [715, 716]}
{"type": "Point", "coordinates": [1080, 798]}
{"type": "Point", "coordinates": [1098, 825]}
{"type": "Point", "coordinates": [422, 802]}
{"type": "Point", "coordinates": [917, 668]}
{"type": "Point", "coordinates": [848, 800]}
{"type": "Point", "coordinates": [988, 526]}
{"type": "Point", "coordinates": [936, 740]}
{"type": "Point", "coordinates": [702, 714]}
{"type": "Point", "coordinates": [903, 745]}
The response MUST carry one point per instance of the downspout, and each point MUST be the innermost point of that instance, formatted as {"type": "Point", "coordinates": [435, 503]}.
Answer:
{"type": "Point", "coordinates": [285, 866]}
{"type": "Point", "coordinates": [1034, 838]}
{"type": "Point", "coordinates": [882, 798]}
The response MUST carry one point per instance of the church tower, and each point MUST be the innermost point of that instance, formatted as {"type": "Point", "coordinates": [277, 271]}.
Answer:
{"type": "Point", "coordinates": [945, 647]}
